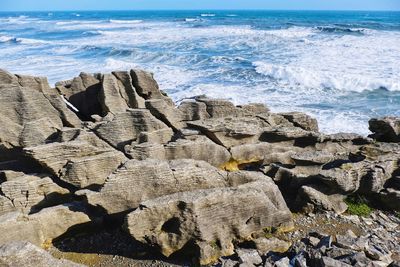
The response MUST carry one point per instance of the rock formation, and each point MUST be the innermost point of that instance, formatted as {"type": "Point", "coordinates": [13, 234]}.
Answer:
{"type": "Point", "coordinates": [205, 177]}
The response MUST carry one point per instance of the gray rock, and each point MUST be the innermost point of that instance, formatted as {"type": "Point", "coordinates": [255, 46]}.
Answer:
{"type": "Point", "coordinates": [166, 113]}
{"type": "Point", "coordinates": [329, 262]}
{"type": "Point", "coordinates": [284, 262]}
{"type": "Point", "coordinates": [193, 110]}
{"type": "Point", "coordinates": [249, 256]}
{"type": "Point", "coordinates": [171, 221]}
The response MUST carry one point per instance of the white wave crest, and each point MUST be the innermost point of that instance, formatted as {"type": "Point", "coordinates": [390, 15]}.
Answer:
{"type": "Point", "coordinates": [117, 21]}
{"type": "Point", "coordinates": [292, 32]}
{"type": "Point", "coordinates": [296, 76]}
{"type": "Point", "coordinates": [207, 15]}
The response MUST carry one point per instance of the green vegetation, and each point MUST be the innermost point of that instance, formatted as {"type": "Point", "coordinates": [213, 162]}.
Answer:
{"type": "Point", "coordinates": [358, 205]}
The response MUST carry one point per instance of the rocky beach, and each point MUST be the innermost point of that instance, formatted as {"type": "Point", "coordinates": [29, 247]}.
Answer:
{"type": "Point", "coordinates": [107, 170]}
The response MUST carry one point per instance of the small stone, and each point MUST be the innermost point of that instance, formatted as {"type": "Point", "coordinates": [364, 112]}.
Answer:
{"type": "Point", "coordinates": [249, 256]}
{"type": "Point", "coordinates": [284, 262]}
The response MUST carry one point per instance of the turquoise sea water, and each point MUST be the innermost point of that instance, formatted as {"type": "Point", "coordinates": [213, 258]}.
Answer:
{"type": "Point", "coordinates": [341, 67]}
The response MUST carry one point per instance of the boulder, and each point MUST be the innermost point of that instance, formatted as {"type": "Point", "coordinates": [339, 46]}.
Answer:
{"type": "Point", "coordinates": [193, 110]}
{"type": "Point", "coordinates": [138, 181]}
{"type": "Point", "coordinates": [41, 227]}
{"type": "Point", "coordinates": [231, 131]}
{"type": "Point", "coordinates": [312, 199]}
{"type": "Point", "coordinates": [301, 120]}
{"type": "Point", "coordinates": [125, 127]}
{"type": "Point", "coordinates": [386, 129]}
{"type": "Point", "coordinates": [77, 162]}
{"type": "Point", "coordinates": [68, 117]}
{"type": "Point", "coordinates": [200, 148]}
{"type": "Point", "coordinates": [166, 113]}
{"type": "Point", "coordinates": [23, 105]}
{"type": "Point", "coordinates": [27, 193]}
{"type": "Point", "coordinates": [25, 254]}
{"type": "Point", "coordinates": [147, 87]}
{"type": "Point", "coordinates": [209, 222]}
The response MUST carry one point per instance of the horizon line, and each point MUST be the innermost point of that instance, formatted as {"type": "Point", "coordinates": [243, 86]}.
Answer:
{"type": "Point", "coordinates": [167, 9]}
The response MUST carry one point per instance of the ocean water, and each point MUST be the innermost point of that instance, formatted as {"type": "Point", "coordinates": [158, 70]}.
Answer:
{"type": "Point", "coordinates": [341, 67]}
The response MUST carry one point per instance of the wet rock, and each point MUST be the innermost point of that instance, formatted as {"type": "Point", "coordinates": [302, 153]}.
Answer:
{"type": "Point", "coordinates": [171, 221]}
{"type": "Point", "coordinates": [25, 254]}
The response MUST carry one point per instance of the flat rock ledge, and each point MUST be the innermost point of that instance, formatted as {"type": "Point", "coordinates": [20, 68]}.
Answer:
{"type": "Point", "coordinates": [205, 180]}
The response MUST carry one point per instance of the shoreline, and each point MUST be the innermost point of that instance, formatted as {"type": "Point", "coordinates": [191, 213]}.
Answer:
{"type": "Point", "coordinates": [206, 182]}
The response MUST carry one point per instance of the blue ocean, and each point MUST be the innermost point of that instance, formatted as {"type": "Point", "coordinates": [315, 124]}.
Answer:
{"type": "Point", "coordinates": [341, 67]}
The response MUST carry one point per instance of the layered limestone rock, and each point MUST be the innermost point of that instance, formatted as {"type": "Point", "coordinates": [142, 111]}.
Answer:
{"type": "Point", "coordinates": [193, 220]}
{"type": "Point", "coordinates": [26, 115]}
{"type": "Point", "coordinates": [123, 128]}
{"type": "Point", "coordinates": [25, 254]}
{"type": "Point", "coordinates": [27, 193]}
{"type": "Point", "coordinates": [77, 162]}
{"type": "Point", "coordinates": [41, 227]}
{"type": "Point", "coordinates": [138, 181]}
{"type": "Point", "coordinates": [201, 177]}
{"type": "Point", "coordinates": [200, 148]}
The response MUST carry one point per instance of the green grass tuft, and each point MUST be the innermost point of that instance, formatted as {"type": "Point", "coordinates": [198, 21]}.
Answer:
{"type": "Point", "coordinates": [358, 206]}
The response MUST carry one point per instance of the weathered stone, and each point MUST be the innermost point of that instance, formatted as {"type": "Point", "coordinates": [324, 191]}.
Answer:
{"type": "Point", "coordinates": [301, 120]}
{"type": "Point", "coordinates": [170, 222]}
{"type": "Point", "coordinates": [41, 84]}
{"type": "Point", "coordinates": [166, 113]}
{"type": "Point", "coordinates": [22, 105]}
{"type": "Point", "coordinates": [26, 193]}
{"type": "Point", "coordinates": [147, 87]}
{"type": "Point", "coordinates": [129, 93]}
{"type": "Point", "coordinates": [310, 199]}
{"type": "Point", "coordinates": [125, 127]}
{"type": "Point", "coordinates": [25, 254]}
{"type": "Point", "coordinates": [199, 149]}
{"type": "Point", "coordinates": [386, 129]}
{"type": "Point", "coordinates": [273, 244]}
{"type": "Point", "coordinates": [83, 93]}
{"type": "Point", "coordinates": [391, 198]}
{"type": "Point", "coordinates": [138, 181]}
{"type": "Point", "coordinates": [329, 262]}
{"type": "Point", "coordinates": [76, 162]}
{"type": "Point", "coordinates": [146, 150]}
{"type": "Point", "coordinates": [193, 110]}
{"type": "Point", "coordinates": [249, 256]}
{"type": "Point", "coordinates": [231, 131]}
{"type": "Point", "coordinates": [41, 227]}
{"type": "Point", "coordinates": [38, 132]}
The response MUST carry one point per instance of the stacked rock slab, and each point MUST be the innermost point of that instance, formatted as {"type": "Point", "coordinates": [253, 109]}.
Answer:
{"type": "Point", "coordinates": [201, 177]}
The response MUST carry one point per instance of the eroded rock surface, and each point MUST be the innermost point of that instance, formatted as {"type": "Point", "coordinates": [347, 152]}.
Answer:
{"type": "Point", "coordinates": [204, 177]}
